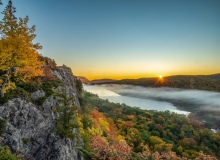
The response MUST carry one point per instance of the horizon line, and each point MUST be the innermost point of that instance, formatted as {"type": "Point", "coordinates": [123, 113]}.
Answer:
{"type": "Point", "coordinates": [152, 77]}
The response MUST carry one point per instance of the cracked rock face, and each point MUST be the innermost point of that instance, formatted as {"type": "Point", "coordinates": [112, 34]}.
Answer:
{"type": "Point", "coordinates": [29, 129]}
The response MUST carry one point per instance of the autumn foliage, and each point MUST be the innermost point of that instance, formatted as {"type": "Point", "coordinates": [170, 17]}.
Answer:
{"type": "Point", "coordinates": [110, 150]}
{"type": "Point", "coordinates": [104, 139]}
{"type": "Point", "coordinates": [122, 132]}
{"type": "Point", "coordinates": [16, 45]}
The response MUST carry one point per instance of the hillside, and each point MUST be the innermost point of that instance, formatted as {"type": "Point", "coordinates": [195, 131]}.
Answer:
{"type": "Point", "coordinates": [95, 81]}
{"type": "Point", "coordinates": [215, 76]}
{"type": "Point", "coordinates": [117, 131]}
{"type": "Point", "coordinates": [201, 82]}
{"type": "Point", "coordinates": [84, 80]}
{"type": "Point", "coordinates": [101, 81]}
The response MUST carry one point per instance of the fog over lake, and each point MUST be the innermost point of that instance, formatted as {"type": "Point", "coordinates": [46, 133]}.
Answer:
{"type": "Point", "coordinates": [112, 93]}
{"type": "Point", "coordinates": [161, 99]}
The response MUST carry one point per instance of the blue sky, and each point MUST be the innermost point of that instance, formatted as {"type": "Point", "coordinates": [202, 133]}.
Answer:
{"type": "Point", "coordinates": [128, 38]}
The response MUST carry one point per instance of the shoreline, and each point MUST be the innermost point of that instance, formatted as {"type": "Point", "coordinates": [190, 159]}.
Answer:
{"type": "Point", "coordinates": [209, 115]}
{"type": "Point", "coordinates": [211, 118]}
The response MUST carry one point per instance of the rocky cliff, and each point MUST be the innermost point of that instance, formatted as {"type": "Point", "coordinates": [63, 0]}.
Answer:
{"type": "Point", "coordinates": [30, 127]}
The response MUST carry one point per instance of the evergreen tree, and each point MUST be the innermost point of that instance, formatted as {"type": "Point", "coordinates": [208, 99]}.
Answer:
{"type": "Point", "coordinates": [67, 120]}
{"type": "Point", "coordinates": [16, 45]}
{"type": "Point", "coordinates": [9, 23]}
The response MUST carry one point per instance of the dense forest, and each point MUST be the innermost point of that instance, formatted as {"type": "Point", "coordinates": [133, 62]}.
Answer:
{"type": "Point", "coordinates": [117, 131]}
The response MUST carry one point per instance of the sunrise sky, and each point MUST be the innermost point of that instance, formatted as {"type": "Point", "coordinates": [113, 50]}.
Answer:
{"type": "Point", "coordinates": [128, 38]}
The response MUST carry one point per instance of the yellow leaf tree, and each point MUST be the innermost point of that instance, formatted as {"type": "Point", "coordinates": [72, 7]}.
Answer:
{"type": "Point", "coordinates": [16, 45]}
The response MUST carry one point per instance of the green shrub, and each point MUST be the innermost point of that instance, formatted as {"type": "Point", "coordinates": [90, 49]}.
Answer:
{"type": "Point", "coordinates": [86, 154]}
{"type": "Point", "coordinates": [2, 126]}
{"type": "Point", "coordinates": [29, 86]}
{"type": "Point", "coordinates": [15, 93]}
{"type": "Point", "coordinates": [138, 149]}
{"type": "Point", "coordinates": [39, 101]}
{"type": "Point", "coordinates": [23, 90]}
{"type": "Point", "coordinates": [49, 86]}
{"type": "Point", "coordinates": [5, 154]}
{"type": "Point", "coordinates": [82, 103]}
{"type": "Point", "coordinates": [67, 120]}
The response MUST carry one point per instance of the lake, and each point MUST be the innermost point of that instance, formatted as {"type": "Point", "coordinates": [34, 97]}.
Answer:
{"type": "Point", "coordinates": [114, 94]}
{"type": "Point", "coordinates": [204, 104]}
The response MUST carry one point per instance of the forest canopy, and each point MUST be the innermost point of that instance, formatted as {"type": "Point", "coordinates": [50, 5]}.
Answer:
{"type": "Point", "coordinates": [145, 134]}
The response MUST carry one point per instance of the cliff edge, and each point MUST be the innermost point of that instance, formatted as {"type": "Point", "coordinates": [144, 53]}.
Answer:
{"type": "Point", "coordinates": [30, 127]}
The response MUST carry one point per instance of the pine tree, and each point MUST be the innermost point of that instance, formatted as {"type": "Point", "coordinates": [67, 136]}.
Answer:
{"type": "Point", "coordinates": [9, 23]}
{"type": "Point", "coordinates": [16, 45]}
{"type": "Point", "coordinates": [67, 120]}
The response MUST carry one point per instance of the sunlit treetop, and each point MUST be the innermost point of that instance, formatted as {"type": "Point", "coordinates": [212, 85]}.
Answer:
{"type": "Point", "coordinates": [16, 45]}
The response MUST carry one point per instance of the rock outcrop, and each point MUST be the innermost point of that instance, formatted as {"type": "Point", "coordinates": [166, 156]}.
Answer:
{"type": "Point", "coordinates": [30, 127]}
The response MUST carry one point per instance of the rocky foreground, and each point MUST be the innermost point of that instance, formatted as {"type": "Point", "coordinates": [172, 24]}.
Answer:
{"type": "Point", "coordinates": [30, 127]}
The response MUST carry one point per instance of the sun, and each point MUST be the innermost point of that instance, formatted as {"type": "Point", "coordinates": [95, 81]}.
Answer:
{"type": "Point", "coordinates": [160, 76]}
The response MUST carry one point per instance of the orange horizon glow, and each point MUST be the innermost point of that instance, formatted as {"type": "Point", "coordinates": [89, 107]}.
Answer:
{"type": "Point", "coordinates": [142, 69]}
{"type": "Point", "coordinates": [137, 76]}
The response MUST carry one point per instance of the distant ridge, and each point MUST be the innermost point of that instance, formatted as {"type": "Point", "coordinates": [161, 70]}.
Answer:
{"type": "Point", "coordinates": [215, 76]}
{"type": "Point", "coordinates": [84, 80]}
{"type": "Point", "coordinates": [100, 81]}
{"type": "Point", "coordinates": [201, 82]}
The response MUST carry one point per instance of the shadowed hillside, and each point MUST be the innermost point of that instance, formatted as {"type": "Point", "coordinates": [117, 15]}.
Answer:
{"type": "Point", "coordinates": [101, 81]}
{"type": "Point", "coordinates": [201, 82]}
